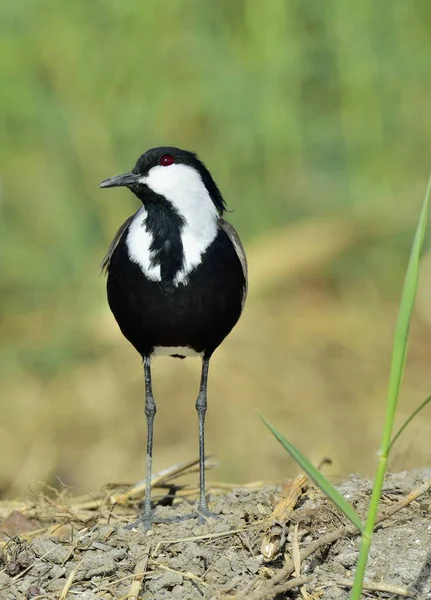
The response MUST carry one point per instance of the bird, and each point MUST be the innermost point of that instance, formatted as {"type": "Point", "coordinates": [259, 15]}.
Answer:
{"type": "Point", "coordinates": [176, 279]}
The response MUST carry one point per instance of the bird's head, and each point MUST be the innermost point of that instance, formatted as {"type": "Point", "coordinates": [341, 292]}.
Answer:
{"type": "Point", "coordinates": [177, 175]}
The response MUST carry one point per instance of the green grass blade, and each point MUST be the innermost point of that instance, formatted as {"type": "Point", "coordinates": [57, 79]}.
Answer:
{"type": "Point", "coordinates": [399, 353]}
{"type": "Point", "coordinates": [407, 421]}
{"type": "Point", "coordinates": [407, 302]}
{"type": "Point", "coordinates": [327, 488]}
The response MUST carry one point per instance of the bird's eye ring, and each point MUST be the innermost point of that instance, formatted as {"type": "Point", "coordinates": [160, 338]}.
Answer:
{"type": "Point", "coordinates": [166, 160]}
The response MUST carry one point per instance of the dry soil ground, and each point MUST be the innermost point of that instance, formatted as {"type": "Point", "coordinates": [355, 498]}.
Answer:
{"type": "Point", "coordinates": [87, 553]}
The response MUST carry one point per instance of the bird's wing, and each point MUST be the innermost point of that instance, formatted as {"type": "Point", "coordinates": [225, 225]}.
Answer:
{"type": "Point", "coordinates": [239, 249]}
{"type": "Point", "coordinates": [107, 258]}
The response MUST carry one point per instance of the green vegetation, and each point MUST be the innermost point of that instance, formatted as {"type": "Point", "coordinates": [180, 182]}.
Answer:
{"type": "Point", "coordinates": [399, 355]}
{"type": "Point", "coordinates": [314, 118]}
{"type": "Point", "coordinates": [299, 108]}
{"type": "Point", "coordinates": [398, 363]}
{"type": "Point", "coordinates": [324, 484]}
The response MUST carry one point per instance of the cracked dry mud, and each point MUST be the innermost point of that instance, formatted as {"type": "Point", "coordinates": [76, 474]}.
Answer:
{"type": "Point", "coordinates": [222, 558]}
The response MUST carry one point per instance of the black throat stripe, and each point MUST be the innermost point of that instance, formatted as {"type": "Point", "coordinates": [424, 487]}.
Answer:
{"type": "Point", "coordinates": [165, 225]}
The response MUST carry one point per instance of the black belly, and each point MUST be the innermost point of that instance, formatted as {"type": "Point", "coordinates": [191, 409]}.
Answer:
{"type": "Point", "coordinates": [199, 314]}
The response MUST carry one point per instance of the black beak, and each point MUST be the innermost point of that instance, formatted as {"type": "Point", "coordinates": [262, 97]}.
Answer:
{"type": "Point", "coordinates": [120, 180]}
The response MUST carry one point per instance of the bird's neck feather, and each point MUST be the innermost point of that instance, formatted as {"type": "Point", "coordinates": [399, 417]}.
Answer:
{"type": "Point", "coordinates": [183, 187]}
{"type": "Point", "coordinates": [176, 225]}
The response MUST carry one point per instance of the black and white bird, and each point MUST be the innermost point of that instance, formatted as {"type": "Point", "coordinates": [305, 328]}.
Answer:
{"type": "Point", "coordinates": [177, 276]}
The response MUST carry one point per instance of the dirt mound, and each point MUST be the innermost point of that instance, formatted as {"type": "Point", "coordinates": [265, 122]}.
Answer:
{"type": "Point", "coordinates": [314, 552]}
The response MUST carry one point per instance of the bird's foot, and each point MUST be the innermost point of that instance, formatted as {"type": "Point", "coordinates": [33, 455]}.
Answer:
{"type": "Point", "coordinates": [201, 514]}
{"type": "Point", "coordinates": [204, 513]}
{"type": "Point", "coordinates": [145, 520]}
{"type": "Point", "coordinates": [148, 520]}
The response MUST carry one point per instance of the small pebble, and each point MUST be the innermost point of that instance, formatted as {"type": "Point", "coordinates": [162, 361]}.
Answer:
{"type": "Point", "coordinates": [12, 569]}
{"type": "Point", "coordinates": [32, 592]}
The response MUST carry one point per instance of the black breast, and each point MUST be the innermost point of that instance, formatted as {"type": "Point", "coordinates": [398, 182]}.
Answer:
{"type": "Point", "coordinates": [198, 314]}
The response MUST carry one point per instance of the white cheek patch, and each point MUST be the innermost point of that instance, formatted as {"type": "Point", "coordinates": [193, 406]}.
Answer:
{"type": "Point", "coordinates": [183, 187]}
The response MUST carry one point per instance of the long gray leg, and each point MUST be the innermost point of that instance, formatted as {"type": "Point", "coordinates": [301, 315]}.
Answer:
{"type": "Point", "coordinates": [150, 411]}
{"type": "Point", "coordinates": [202, 512]}
{"type": "Point", "coordinates": [201, 407]}
{"type": "Point", "coordinates": [147, 517]}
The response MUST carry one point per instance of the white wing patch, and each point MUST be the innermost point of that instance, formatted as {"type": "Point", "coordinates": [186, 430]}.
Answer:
{"type": "Point", "coordinates": [183, 187]}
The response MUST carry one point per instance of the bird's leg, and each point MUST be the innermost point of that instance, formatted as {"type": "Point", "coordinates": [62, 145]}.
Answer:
{"type": "Point", "coordinates": [146, 516]}
{"type": "Point", "coordinates": [150, 411]}
{"type": "Point", "coordinates": [201, 407]}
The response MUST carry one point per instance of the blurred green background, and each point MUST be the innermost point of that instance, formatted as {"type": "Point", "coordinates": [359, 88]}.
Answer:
{"type": "Point", "coordinates": [314, 118]}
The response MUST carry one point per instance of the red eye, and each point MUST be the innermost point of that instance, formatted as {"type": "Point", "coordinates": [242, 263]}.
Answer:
{"type": "Point", "coordinates": [166, 160]}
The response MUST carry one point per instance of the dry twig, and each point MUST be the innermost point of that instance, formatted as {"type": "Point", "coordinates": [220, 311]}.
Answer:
{"type": "Point", "coordinates": [278, 521]}
{"type": "Point", "coordinates": [274, 585]}
{"type": "Point", "coordinates": [69, 582]}
{"type": "Point", "coordinates": [139, 573]}
{"type": "Point", "coordinates": [380, 587]}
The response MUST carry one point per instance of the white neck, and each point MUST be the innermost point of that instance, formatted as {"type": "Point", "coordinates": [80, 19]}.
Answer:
{"type": "Point", "coordinates": [183, 187]}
